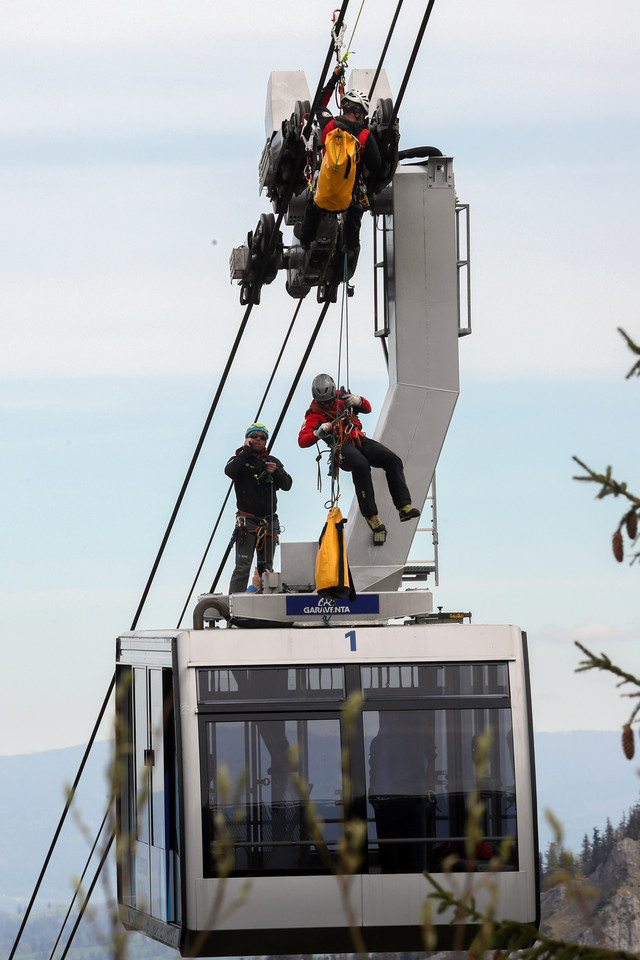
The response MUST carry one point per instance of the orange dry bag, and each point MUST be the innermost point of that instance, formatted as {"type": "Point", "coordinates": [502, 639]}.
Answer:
{"type": "Point", "coordinates": [333, 577]}
{"type": "Point", "coordinates": [337, 175]}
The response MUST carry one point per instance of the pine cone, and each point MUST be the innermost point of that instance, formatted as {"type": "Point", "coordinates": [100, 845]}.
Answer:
{"type": "Point", "coordinates": [632, 524]}
{"type": "Point", "coordinates": [628, 745]}
{"type": "Point", "coordinates": [618, 549]}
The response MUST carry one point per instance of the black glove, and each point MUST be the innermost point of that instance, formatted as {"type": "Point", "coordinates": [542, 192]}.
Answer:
{"type": "Point", "coordinates": [337, 75]}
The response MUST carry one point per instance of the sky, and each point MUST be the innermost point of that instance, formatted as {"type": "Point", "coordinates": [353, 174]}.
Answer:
{"type": "Point", "coordinates": [131, 138]}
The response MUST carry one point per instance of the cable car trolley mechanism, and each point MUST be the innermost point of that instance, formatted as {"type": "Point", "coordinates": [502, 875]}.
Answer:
{"type": "Point", "coordinates": [288, 169]}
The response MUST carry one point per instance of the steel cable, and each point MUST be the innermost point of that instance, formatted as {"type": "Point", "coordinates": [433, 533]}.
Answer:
{"type": "Point", "coordinates": [261, 274]}
{"type": "Point", "coordinates": [408, 71]}
{"type": "Point", "coordinates": [228, 493]}
{"type": "Point", "coordinates": [385, 48]}
{"type": "Point", "coordinates": [85, 902]}
{"type": "Point", "coordinates": [283, 413]}
{"type": "Point", "coordinates": [82, 876]}
{"type": "Point", "coordinates": [64, 815]}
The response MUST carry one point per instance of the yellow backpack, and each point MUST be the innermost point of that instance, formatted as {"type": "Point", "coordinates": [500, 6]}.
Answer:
{"type": "Point", "coordinates": [337, 175]}
{"type": "Point", "coordinates": [333, 577]}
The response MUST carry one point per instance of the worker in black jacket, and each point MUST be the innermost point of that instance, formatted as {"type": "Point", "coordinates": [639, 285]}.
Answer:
{"type": "Point", "coordinates": [256, 476]}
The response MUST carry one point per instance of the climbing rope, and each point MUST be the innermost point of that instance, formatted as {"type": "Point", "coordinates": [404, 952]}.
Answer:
{"type": "Point", "coordinates": [343, 340]}
{"type": "Point", "coordinates": [346, 55]}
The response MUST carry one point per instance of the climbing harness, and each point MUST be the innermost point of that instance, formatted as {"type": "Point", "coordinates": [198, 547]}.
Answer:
{"type": "Point", "coordinates": [248, 523]}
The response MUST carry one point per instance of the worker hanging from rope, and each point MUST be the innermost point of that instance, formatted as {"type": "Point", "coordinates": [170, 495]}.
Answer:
{"type": "Point", "coordinates": [350, 155]}
{"type": "Point", "coordinates": [334, 417]}
{"type": "Point", "coordinates": [256, 476]}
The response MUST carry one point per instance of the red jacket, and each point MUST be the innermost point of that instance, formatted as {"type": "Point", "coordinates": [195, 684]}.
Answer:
{"type": "Point", "coordinates": [348, 429]}
{"type": "Point", "coordinates": [369, 154]}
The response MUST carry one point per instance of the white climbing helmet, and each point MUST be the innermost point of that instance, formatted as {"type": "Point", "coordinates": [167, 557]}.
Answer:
{"type": "Point", "coordinates": [355, 98]}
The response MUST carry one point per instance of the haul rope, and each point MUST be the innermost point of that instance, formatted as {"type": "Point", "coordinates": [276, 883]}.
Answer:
{"type": "Point", "coordinates": [346, 55]}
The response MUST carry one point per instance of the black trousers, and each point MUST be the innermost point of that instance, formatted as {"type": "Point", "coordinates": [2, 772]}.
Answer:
{"type": "Point", "coordinates": [352, 220]}
{"type": "Point", "coordinates": [254, 536]}
{"type": "Point", "coordinates": [358, 458]}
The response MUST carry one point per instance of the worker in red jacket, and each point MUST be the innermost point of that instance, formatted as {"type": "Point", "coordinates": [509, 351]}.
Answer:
{"type": "Point", "coordinates": [333, 417]}
{"type": "Point", "coordinates": [354, 105]}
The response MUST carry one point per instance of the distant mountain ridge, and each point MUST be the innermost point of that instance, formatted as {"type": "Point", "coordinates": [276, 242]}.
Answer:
{"type": "Point", "coordinates": [582, 777]}
{"type": "Point", "coordinates": [33, 796]}
{"type": "Point", "coordinates": [612, 898]}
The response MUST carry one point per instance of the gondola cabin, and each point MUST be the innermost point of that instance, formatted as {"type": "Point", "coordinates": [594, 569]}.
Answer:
{"type": "Point", "coordinates": [241, 763]}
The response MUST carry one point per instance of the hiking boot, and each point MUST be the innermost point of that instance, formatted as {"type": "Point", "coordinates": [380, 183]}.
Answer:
{"type": "Point", "coordinates": [297, 232]}
{"type": "Point", "coordinates": [379, 530]}
{"type": "Point", "coordinates": [352, 260]}
{"type": "Point", "coordinates": [408, 512]}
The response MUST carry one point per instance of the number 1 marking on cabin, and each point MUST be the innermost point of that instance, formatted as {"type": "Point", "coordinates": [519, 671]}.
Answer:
{"type": "Point", "coordinates": [352, 637]}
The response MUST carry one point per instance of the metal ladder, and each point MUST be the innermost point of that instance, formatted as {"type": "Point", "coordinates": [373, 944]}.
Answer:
{"type": "Point", "coordinates": [419, 570]}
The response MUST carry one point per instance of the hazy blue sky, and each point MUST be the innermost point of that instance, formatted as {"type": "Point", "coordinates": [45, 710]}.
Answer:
{"type": "Point", "coordinates": [131, 138]}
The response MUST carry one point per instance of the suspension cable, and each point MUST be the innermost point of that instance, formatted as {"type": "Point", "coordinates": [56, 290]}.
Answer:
{"type": "Point", "coordinates": [385, 48]}
{"type": "Point", "coordinates": [206, 552]}
{"type": "Point", "coordinates": [199, 446]}
{"type": "Point", "coordinates": [226, 499]}
{"type": "Point", "coordinates": [85, 902]}
{"type": "Point", "coordinates": [300, 370]}
{"type": "Point", "coordinates": [64, 815]}
{"type": "Point", "coordinates": [261, 274]}
{"type": "Point", "coordinates": [307, 128]}
{"type": "Point", "coordinates": [82, 876]}
{"type": "Point", "coordinates": [408, 71]}
{"type": "Point", "coordinates": [283, 412]}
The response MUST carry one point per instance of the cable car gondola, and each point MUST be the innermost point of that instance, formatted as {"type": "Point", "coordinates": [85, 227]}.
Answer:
{"type": "Point", "coordinates": [216, 727]}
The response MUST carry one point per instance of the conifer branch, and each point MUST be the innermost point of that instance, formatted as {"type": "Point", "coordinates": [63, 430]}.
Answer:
{"type": "Point", "coordinates": [609, 486]}
{"type": "Point", "coordinates": [603, 663]}
{"type": "Point", "coordinates": [635, 369]}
